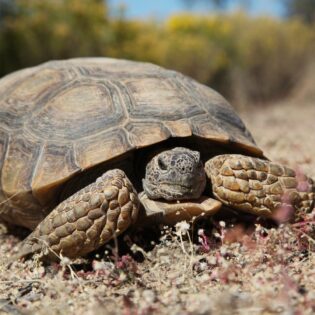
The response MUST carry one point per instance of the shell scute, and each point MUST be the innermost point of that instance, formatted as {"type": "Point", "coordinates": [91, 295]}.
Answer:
{"type": "Point", "coordinates": [64, 117]}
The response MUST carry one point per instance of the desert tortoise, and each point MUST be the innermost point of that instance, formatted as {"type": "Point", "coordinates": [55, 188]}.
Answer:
{"type": "Point", "coordinates": [78, 136]}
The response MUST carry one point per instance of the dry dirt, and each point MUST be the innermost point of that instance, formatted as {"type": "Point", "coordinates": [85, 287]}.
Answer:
{"type": "Point", "coordinates": [229, 271]}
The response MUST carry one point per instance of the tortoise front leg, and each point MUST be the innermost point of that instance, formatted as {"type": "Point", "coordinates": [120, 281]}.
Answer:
{"type": "Point", "coordinates": [258, 186]}
{"type": "Point", "coordinates": [87, 219]}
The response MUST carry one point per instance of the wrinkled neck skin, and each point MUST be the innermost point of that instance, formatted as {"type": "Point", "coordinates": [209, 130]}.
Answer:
{"type": "Point", "coordinates": [176, 174]}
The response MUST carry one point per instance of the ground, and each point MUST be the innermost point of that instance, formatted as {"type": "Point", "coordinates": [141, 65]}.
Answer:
{"type": "Point", "coordinates": [259, 269]}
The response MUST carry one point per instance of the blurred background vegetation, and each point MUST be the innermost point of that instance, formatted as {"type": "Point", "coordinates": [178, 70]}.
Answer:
{"type": "Point", "coordinates": [248, 59]}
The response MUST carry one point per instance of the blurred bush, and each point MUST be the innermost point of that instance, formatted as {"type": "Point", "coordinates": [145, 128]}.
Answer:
{"type": "Point", "coordinates": [247, 59]}
{"type": "Point", "coordinates": [33, 31]}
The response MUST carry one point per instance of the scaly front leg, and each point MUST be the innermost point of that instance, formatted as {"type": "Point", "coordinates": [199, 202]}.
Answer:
{"type": "Point", "coordinates": [87, 219]}
{"type": "Point", "coordinates": [259, 186]}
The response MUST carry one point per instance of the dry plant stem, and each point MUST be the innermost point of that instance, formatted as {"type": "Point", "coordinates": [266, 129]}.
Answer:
{"type": "Point", "coordinates": [312, 240]}
{"type": "Point", "coordinates": [116, 249]}
{"type": "Point", "coordinates": [182, 229]}
{"type": "Point", "coordinates": [65, 262]}
{"type": "Point", "coordinates": [14, 195]}
{"type": "Point", "coordinates": [22, 281]}
{"type": "Point", "coordinates": [247, 279]}
{"type": "Point", "coordinates": [191, 256]}
{"type": "Point", "coordinates": [135, 248]}
{"type": "Point", "coordinates": [303, 223]}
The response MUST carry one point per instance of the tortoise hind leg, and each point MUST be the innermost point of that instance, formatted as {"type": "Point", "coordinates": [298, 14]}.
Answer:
{"type": "Point", "coordinates": [87, 219]}
{"type": "Point", "coordinates": [259, 186]}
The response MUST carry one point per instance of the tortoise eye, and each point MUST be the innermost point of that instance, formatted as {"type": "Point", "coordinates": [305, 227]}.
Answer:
{"type": "Point", "coordinates": [162, 164]}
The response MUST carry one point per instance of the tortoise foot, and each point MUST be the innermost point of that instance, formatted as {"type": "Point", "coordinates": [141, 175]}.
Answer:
{"type": "Point", "coordinates": [86, 220]}
{"type": "Point", "coordinates": [259, 186]}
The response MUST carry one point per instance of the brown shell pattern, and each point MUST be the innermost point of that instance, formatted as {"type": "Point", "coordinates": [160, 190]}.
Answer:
{"type": "Point", "coordinates": [62, 117]}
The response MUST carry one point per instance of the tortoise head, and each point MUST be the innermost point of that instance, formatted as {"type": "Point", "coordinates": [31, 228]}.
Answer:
{"type": "Point", "coordinates": [175, 174]}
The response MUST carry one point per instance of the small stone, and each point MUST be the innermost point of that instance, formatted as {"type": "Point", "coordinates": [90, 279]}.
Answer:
{"type": "Point", "coordinates": [148, 296]}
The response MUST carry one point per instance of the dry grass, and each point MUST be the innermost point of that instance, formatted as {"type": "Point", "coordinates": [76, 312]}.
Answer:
{"type": "Point", "coordinates": [231, 271]}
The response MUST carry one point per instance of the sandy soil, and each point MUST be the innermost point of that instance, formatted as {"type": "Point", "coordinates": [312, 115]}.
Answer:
{"type": "Point", "coordinates": [253, 270]}
{"type": "Point", "coordinates": [285, 132]}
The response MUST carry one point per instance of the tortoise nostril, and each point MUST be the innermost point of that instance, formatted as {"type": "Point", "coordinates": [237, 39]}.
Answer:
{"type": "Point", "coordinates": [162, 164]}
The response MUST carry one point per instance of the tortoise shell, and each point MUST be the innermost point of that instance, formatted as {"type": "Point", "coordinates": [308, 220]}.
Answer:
{"type": "Point", "coordinates": [62, 117]}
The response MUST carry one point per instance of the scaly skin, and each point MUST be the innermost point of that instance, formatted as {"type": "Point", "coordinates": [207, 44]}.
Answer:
{"type": "Point", "coordinates": [259, 186]}
{"type": "Point", "coordinates": [86, 220]}
{"type": "Point", "coordinates": [105, 208]}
